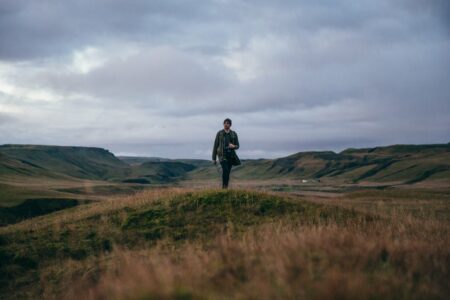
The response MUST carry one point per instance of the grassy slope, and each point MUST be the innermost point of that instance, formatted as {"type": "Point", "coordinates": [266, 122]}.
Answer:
{"type": "Point", "coordinates": [158, 171]}
{"type": "Point", "coordinates": [11, 195]}
{"type": "Point", "coordinates": [175, 243]}
{"type": "Point", "coordinates": [34, 207]}
{"type": "Point", "coordinates": [26, 249]}
{"type": "Point", "coordinates": [33, 171]}
{"type": "Point", "coordinates": [79, 162]}
{"type": "Point", "coordinates": [10, 167]}
{"type": "Point", "coordinates": [38, 171]}
{"type": "Point", "coordinates": [392, 164]}
{"type": "Point", "coordinates": [137, 160]}
{"type": "Point", "coordinates": [406, 163]}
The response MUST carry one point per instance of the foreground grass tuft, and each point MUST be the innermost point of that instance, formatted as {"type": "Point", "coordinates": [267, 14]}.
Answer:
{"type": "Point", "coordinates": [229, 244]}
{"type": "Point", "coordinates": [140, 222]}
{"type": "Point", "coordinates": [203, 215]}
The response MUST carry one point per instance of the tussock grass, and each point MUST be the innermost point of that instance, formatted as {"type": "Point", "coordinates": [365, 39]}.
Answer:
{"type": "Point", "coordinates": [182, 243]}
{"type": "Point", "coordinates": [278, 262]}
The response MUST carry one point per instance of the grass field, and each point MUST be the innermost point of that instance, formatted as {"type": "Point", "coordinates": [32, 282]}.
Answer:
{"type": "Point", "coordinates": [78, 223]}
{"type": "Point", "coordinates": [206, 243]}
{"type": "Point", "coordinates": [50, 171]}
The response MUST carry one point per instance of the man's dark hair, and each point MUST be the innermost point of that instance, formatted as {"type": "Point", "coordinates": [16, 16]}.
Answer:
{"type": "Point", "coordinates": [227, 120]}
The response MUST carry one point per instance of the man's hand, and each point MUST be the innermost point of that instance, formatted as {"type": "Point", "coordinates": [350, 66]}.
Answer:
{"type": "Point", "coordinates": [214, 161]}
{"type": "Point", "coordinates": [232, 146]}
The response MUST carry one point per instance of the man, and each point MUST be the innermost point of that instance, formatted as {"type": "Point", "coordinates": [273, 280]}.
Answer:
{"type": "Point", "coordinates": [225, 144]}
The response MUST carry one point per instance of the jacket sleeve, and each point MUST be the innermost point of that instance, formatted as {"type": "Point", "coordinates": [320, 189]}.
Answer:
{"type": "Point", "coordinates": [216, 144]}
{"type": "Point", "coordinates": [236, 141]}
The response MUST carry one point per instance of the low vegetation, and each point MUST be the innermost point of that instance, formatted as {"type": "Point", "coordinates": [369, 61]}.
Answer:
{"type": "Point", "coordinates": [176, 243]}
{"type": "Point", "coordinates": [34, 207]}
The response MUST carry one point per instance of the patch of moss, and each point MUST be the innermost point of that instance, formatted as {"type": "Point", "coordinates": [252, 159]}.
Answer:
{"type": "Point", "coordinates": [194, 215]}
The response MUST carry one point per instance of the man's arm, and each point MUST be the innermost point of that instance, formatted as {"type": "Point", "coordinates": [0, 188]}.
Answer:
{"type": "Point", "coordinates": [216, 144]}
{"type": "Point", "coordinates": [236, 142]}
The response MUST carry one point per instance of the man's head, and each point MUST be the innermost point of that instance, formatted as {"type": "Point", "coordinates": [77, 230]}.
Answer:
{"type": "Point", "coordinates": [226, 124]}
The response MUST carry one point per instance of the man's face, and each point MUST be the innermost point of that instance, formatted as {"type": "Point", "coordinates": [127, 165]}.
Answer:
{"type": "Point", "coordinates": [226, 125]}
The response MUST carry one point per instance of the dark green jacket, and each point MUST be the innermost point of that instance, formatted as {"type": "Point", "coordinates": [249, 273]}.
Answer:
{"type": "Point", "coordinates": [218, 146]}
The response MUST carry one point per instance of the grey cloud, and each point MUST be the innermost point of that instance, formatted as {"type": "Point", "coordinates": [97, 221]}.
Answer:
{"type": "Point", "coordinates": [310, 74]}
{"type": "Point", "coordinates": [34, 29]}
{"type": "Point", "coordinates": [6, 119]}
{"type": "Point", "coordinates": [159, 71]}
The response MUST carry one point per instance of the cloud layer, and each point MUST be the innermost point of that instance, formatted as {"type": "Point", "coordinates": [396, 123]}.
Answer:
{"type": "Point", "coordinates": [158, 77]}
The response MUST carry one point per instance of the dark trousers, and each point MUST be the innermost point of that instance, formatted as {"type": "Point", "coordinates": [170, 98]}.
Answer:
{"type": "Point", "coordinates": [226, 169]}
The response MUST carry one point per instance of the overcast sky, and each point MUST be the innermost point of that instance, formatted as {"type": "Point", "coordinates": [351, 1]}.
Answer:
{"type": "Point", "coordinates": [157, 78]}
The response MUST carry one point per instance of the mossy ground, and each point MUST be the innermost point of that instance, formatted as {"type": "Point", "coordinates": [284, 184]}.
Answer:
{"type": "Point", "coordinates": [202, 215]}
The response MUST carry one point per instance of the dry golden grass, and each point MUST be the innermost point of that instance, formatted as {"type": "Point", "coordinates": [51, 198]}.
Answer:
{"type": "Point", "coordinates": [400, 256]}
{"type": "Point", "coordinates": [103, 207]}
{"type": "Point", "coordinates": [380, 261]}
{"type": "Point", "coordinates": [403, 254]}
{"type": "Point", "coordinates": [425, 204]}
{"type": "Point", "coordinates": [112, 204]}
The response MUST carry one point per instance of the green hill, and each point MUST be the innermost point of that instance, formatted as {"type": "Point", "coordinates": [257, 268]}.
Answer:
{"type": "Point", "coordinates": [89, 163]}
{"type": "Point", "coordinates": [83, 232]}
{"type": "Point", "coordinates": [158, 171]}
{"type": "Point", "coordinates": [30, 172]}
{"type": "Point", "coordinates": [231, 244]}
{"type": "Point", "coordinates": [391, 164]}
{"type": "Point", "coordinates": [53, 161]}
{"type": "Point", "coordinates": [405, 163]}
{"type": "Point", "coordinates": [87, 173]}
{"type": "Point", "coordinates": [138, 160]}
{"type": "Point", "coordinates": [10, 166]}
{"type": "Point", "coordinates": [32, 208]}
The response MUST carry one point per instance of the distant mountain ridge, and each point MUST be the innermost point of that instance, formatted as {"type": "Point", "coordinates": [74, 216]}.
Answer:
{"type": "Point", "coordinates": [57, 161]}
{"type": "Point", "coordinates": [137, 160]}
{"type": "Point", "coordinates": [402, 163]}
{"type": "Point", "coordinates": [389, 164]}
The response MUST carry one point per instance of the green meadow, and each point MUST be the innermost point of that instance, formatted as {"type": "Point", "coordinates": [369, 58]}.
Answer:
{"type": "Point", "coordinates": [80, 223]}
